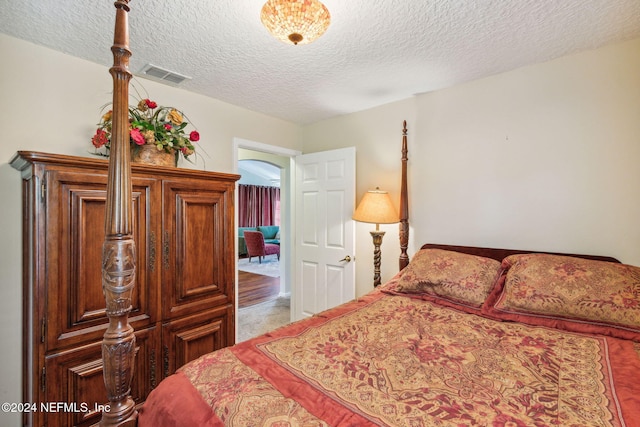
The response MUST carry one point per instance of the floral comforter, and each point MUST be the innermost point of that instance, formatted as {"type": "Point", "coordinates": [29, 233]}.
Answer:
{"type": "Point", "coordinates": [398, 361]}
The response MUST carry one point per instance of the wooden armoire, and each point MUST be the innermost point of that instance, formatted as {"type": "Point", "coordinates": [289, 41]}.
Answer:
{"type": "Point", "coordinates": [183, 303]}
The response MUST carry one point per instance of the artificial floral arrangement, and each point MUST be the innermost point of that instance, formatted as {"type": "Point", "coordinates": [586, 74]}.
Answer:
{"type": "Point", "coordinates": [149, 124]}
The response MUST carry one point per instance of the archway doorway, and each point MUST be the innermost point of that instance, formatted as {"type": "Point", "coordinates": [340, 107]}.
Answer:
{"type": "Point", "coordinates": [245, 151]}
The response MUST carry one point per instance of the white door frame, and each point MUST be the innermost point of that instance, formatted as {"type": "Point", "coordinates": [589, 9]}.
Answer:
{"type": "Point", "coordinates": [287, 210]}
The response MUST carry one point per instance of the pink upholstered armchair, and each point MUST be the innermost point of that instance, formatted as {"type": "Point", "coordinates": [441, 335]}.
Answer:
{"type": "Point", "coordinates": [257, 247]}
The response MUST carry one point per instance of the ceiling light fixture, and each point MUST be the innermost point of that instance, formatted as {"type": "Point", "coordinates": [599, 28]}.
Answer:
{"type": "Point", "coordinates": [295, 21]}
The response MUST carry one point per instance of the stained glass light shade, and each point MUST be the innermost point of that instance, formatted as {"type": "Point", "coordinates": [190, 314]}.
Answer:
{"type": "Point", "coordinates": [295, 21]}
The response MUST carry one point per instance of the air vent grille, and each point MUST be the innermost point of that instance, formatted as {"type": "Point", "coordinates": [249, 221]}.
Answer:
{"type": "Point", "coordinates": [157, 73]}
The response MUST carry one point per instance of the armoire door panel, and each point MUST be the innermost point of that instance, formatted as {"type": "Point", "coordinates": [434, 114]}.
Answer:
{"type": "Point", "coordinates": [198, 275]}
{"type": "Point", "coordinates": [196, 236]}
{"type": "Point", "coordinates": [75, 233]}
{"type": "Point", "coordinates": [190, 337]}
{"type": "Point", "coordinates": [75, 377]}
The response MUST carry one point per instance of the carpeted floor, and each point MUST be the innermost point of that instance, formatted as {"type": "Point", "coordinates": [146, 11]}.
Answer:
{"type": "Point", "coordinates": [270, 266]}
{"type": "Point", "coordinates": [261, 318]}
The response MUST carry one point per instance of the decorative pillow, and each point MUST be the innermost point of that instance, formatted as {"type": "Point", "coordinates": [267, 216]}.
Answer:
{"type": "Point", "coordinates": [569, 293]}
{"type": "Point", "coordinates": [458, 278]}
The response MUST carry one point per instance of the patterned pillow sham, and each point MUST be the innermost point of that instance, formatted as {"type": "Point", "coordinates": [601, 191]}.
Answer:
{"type": "Point", "coordinates": [437, 275]}
{"type": "Point", "coordinates": [569, 293]}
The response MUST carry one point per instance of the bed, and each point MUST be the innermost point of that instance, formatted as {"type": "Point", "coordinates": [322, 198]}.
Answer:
{"type": "Point", "coordinates": [454, 339]}
{"type": "Point", "coordinates": [460, 336]}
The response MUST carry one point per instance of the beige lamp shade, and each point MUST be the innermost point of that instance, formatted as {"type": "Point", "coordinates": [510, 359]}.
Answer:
{"type": "Point", "coordinates": [295, 21]}
{"type": "Point", "coordinates": [376, 208]}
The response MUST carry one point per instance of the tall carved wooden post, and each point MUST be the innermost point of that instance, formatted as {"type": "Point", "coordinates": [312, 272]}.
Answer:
{"type": "Point", "coordinates": [404, 203]}
{"type": "Point", "coordinates": [118, 252]}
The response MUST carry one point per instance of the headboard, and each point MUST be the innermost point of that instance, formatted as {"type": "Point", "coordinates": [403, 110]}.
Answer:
{"type": "Point", "coordinates": [500, 254]}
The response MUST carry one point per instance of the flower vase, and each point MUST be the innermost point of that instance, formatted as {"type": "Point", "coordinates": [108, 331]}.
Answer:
{"type": "Point", "coordinates": [150, 155]}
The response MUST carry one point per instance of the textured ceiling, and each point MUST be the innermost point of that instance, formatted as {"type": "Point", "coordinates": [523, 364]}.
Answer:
{"type": "Point", "coordinates": [374, 52]}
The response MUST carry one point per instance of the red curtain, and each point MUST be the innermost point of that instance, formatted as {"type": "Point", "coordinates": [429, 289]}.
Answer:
{"type": "Point", "coordinates": [258, 205]}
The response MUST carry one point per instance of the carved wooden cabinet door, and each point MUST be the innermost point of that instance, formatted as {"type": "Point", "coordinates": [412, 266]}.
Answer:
{"type": "Point", "coordinates": [197, 271]}
{"type": "Point", "coordinates": [75, 377]}
{"type": "Point", "coordinates": [190, 337]}
{"type": "Point", "coordinates": [74, 318]}
{"type": "Point", "coordinates": [197, 234]}
{"type": "Point", "coordinates": [75, 203]}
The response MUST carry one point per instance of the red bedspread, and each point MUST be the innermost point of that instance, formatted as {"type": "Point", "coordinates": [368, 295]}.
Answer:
{"type": "Point", "coordinates": [398, 361]}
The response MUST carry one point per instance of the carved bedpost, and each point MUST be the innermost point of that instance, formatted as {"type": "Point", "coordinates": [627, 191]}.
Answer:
{"type": "Point", "coordinates": [118, 251]}
{"type": "Point", "coordinates": [404, 203]}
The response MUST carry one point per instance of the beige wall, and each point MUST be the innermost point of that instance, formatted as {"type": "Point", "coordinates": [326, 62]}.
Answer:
{"type": "Point", "coordinates": [50, 102]}
{"type": "Point", "coordinates": [543, 157]}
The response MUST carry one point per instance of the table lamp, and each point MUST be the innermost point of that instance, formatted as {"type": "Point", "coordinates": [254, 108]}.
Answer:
{"type": "Point", "coordinates": [376, 208]}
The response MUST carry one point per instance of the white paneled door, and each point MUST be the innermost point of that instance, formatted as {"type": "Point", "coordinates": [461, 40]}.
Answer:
{"type": "Point", "coordinates": [325, 233]}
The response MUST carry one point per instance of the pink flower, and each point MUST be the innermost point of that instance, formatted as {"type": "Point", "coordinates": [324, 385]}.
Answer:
{"type": "Point", "coordinates": [150, 103]}
{"type": "Point", "coordinates": [167, 126]}
{"type": "Point", "coordinates": [194, 136]}
{"type": "Point", "coordinates": [136, 136]}
{"type": "Point", "coordinates": [100, 138]}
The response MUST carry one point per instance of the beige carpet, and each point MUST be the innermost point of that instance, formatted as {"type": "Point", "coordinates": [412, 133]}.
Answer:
{"type": "Point", "coordinates": [264, 317]}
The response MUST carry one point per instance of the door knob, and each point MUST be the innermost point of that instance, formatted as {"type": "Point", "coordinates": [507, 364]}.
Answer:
{"type": "Point", "coordinates": [346, 259]}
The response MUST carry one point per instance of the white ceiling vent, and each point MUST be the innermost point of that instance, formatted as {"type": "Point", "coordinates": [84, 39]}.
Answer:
{"type": "Point", "coordinates": [156, 73]}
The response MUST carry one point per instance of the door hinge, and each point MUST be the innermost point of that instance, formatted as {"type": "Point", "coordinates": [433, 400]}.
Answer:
{"type": "Point", "coordinates": [152, 364]}
{"type": "Point", "coordinates": [165, 361]}
{"type": "Point", "coordinates": [43, 329]}
{"type": "Point", "coordinates": [152, 251]}
{"type": "Point", "coordinates": [43, 379]}
{"type": "Point", "coordinates": [43, 190]}
{"type": "Point", "coordinates": [166, 250]}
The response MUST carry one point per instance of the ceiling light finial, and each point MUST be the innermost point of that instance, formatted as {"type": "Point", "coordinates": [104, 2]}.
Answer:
{"type": "Point", "coordinates": [295, 21]}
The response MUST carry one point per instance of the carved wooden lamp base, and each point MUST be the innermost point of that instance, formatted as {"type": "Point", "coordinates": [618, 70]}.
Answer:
{"type": "Point", "coordinates": [377, 255]}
